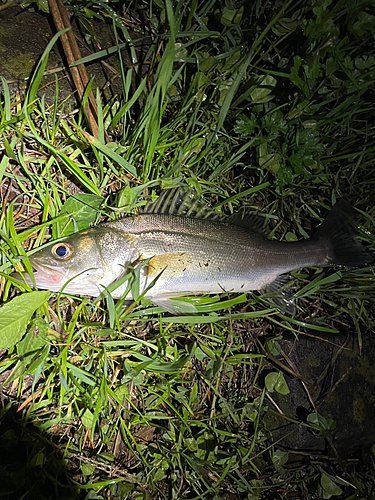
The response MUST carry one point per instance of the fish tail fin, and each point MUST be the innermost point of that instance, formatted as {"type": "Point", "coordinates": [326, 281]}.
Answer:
{"type": "Point", "coordinates": [341, 232]}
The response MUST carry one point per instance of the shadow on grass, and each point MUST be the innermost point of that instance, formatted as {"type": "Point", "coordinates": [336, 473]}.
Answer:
{"type": "Point", "coordinates": [31, 466]}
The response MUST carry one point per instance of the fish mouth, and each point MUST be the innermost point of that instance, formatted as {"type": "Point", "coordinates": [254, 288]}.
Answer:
{"type": "Point", "coordinates": [47, 274]}
{"type": "Point", "coordinates": [50, 277]}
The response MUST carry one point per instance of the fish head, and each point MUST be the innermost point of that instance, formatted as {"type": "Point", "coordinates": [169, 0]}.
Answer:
{"type": "Point", "coordinates": [83, 263]}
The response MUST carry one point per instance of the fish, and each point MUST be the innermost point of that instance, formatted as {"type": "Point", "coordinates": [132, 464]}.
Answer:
{"type": "Point", "coordinates": [179, 254]}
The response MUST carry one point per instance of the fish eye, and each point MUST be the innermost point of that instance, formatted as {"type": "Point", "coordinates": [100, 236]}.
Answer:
{"type": "Point", "coordinates": [62, 250]}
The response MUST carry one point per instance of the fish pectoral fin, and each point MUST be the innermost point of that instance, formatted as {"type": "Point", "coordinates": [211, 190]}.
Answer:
{"type": "Point", "coordinates": [168, 302]}
{"type": "Point", "coordinates": [282, 294]}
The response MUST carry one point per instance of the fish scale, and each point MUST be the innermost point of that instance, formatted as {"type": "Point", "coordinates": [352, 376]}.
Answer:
{"type": "Point", "coordinates": [223, 257]}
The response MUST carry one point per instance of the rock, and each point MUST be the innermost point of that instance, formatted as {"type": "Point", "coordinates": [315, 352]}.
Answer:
{"type": "Point", "coordinates": [335, 385]}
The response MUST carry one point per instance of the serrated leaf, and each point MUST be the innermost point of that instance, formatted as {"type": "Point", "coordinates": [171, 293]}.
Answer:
{"type": "Point", "coordinates": [364, 24]}
{"type": "Point", "coordinates": [245, 126]}
{"type": "Point", "coordinates": [16, 314]}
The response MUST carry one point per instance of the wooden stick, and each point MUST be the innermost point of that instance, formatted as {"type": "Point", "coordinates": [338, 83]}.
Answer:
{"type": "Point", "coordinates": [72, 54]}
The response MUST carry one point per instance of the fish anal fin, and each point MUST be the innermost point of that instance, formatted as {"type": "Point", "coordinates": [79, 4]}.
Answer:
{"type": "Point", "coordinates": [252, 222]}
{"type": "Point", "coordinates": [168, 302]}
{"type": "Point", "coordinates": [282, 294]}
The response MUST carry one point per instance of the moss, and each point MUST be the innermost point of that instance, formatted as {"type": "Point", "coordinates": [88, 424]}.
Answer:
{"type": "Point", "coordinates": [3, 33]}
{"type": "Point", "coordinates": [20, 66]}
{"type": "Point", "coordinates": [312, 360]}
{"type": "Point", "coordinates": [366, 369]}
{"type": "Point", "coordinates": [352, 363]}
{"type": "Point", "coordinates": [358, 410]}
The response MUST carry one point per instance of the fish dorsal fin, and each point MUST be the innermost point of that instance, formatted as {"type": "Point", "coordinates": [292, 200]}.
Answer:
{"type": "Point", "coordinates": [252, 222]}
{"type": "Point", "coordinates": [181, 201]}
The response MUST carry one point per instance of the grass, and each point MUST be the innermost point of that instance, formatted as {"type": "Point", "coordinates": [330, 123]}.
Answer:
{"type": "Point", "coordinates": [264, 107]}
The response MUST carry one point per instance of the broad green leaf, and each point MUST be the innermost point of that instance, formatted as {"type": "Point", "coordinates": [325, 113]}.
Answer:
{"type": "Point", "coordinates": [83, 209]}
{"type": "Point", "coordinates": [87, 469]}
{"type": "Point", "coordinates": [318, 420]}
{"type": "Point", "coordinates": [290, 236]}
{"type": "Point", "coordinates": [263, 92]}
{"type": "Point", "coordinates": [159, 475]}
{"type": "Point", "coordinates": [273, 347]}
{"type": "Point", "coordinates": [329, 486]}
{"type": "Point", "coordinates": [279, 458]}
{"type": "Point", "coordinates": [268, 160]}
{"type": "Point", "coordinates": [275, 381]}
{"type": "Point", "coordinates": [37, 460]}
{"type": "Point", "coordinates": [34, 340]}
{"type": "Point", "coordinates": [191, 444]}
{"type": "Point", "coordinates": [199, 354]}
{"type": "Point", "coordinates": [231, 16]}
{"type": "Point", "coordinates": [206, 62]}
{"type": "Point", "coordinates": [87, 419]}
{"type": "Point", "coordinates": [16, 314]}
{"type": "Point", "coordinates": [324, 426]}
{"type": "Point", "coordinates": [127, 198]}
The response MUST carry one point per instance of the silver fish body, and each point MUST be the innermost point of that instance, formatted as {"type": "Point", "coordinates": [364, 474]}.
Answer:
{"type": "Point", "coordinates": [185, 256]}
{"type": "Point", "coordinates": [202, 256]}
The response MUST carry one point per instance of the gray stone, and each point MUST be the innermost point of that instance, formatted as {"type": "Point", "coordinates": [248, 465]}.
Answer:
{"type": "Point", "coordinates": [333, 379]}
